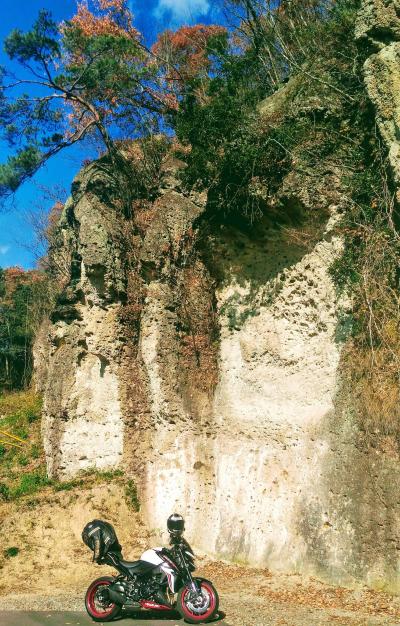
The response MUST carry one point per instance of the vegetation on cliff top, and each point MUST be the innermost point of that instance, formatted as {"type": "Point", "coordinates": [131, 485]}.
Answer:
{"type": "Point", "coordinates": [89, 77]}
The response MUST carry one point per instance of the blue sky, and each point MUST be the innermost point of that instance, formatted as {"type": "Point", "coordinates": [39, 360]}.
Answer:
{"type": "Point", "coordinates": [152, 16]}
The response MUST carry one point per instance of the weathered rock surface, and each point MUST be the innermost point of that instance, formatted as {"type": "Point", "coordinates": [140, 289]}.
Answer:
{"type": "Point", "coordinates": [243, 477]}
{"type": "Point", "coordinates": [378, 30]}
{"type": "Point", "coordinates": [378, 22]}
{"type": "Point", "coordinates": [215, 376]}
{"type": "Point", "coordinates": [83, 425]}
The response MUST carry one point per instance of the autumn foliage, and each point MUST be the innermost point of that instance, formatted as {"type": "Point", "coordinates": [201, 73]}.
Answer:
{"type": "Point", "coordinates": [95, 79]}
{"type": "Point", "coordinates": [100, 29]}
{"type": "Point", "coordinates": [104, 17]}
{"type": "Point", "coordinates": [17, 276]}
{"type": "Point", "coordinates": [186, 53]}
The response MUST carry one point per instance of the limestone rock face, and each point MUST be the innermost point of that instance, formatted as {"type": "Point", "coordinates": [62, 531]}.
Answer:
{"type": "Point", "coordinates": [378, 22]}
{"type": "Point", "coordinates": [82, 425]}
{"type": "Point", "coordinates": [272, 472]}
{"type": "Point", "coordinates": [378, 30]}
{"type": "Point", "coordinates": [242, 477]}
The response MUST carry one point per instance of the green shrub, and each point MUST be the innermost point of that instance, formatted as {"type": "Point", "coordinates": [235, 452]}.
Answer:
{"type": "Point", "coordinates": [21, 410]}
{"type": "Point", "coordinates": [242, 159]}
{"type": "Point", "coordinates": [35, 451]}
{"type": "Point", "coordinates": [4, 492]}
{"type": "Point", "coordinates": [132, 495]}
{"type": "Point", "coordinates": [33, 416]}
{"type": "Point", "coordinates": [108, 474]}
{"type": "Point", "coordinates": [10, 552]}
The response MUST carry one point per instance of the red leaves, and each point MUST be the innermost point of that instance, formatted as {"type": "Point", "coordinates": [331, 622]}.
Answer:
{"type": "Point", "coordinates": [182, 56]}
{"type": "Point", "coordinates": [167, 99]}
{"type": "Point", "coordinates": [117, 5]}
{"type": "Point", "coordinates": [15, 276]}
{"type": "Point", "coordinates": [54, 218]}
{"type": "Point", "coordinates": [106, 17]}
{"type": "Point", "coordinates": [184, 53]}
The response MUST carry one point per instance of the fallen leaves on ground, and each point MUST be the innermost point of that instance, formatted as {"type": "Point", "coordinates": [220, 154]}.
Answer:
{"type": "Point", "coordinates": [295, 590]}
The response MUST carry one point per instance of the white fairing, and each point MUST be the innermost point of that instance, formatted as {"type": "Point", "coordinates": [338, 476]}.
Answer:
{"type": "Point", "coordinates": [152, 557]}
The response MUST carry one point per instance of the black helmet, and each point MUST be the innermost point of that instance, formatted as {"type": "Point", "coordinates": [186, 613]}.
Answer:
{"type": "Point", "coordinates": [176, 524]}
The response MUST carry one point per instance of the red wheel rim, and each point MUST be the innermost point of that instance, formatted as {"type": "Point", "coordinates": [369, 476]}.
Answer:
{"type": "Point", "coordinates": [197, 616]}
{"type": "Point", "coordinates": [91, 599]}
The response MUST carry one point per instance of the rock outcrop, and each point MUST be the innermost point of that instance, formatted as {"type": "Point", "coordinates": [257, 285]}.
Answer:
{"type": "Point", "coordinates": [209, 367]}
{"type": "Point", "coordinates": [83, 422]}
{"type": "Point", "coordinates": [378, 32]}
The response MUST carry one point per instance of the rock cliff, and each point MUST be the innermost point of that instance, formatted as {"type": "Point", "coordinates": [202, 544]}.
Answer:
{"type": "Point", "coordinates": [207, 365]}
{"type": "Point", "coordinates": [378, 32]}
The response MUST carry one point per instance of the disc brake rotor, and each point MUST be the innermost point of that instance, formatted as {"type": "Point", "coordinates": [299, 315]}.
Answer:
{"type": "Point", "coordinates": [100, 598]}
{"type": "Point", "coordinates": [199, 604]}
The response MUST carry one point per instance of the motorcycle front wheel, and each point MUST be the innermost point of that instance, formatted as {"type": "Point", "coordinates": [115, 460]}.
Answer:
{"type": "Point", "coordinates": [97, 605]}
{"type": "Point", "coordinates": [196, 608]}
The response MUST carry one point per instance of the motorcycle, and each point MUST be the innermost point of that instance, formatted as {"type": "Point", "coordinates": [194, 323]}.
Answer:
{"type": "Point", "coordinates": [161, 580]}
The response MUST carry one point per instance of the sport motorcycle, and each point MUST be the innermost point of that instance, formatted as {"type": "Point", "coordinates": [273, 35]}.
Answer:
{"type": "Point", "coordinates": [161, 580]}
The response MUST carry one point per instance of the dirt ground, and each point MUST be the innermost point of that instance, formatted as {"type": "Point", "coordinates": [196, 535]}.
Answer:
{"type": "Point", "coordinates": [53, 568]}
{"type": "Point", "coordinates": [46, 530]}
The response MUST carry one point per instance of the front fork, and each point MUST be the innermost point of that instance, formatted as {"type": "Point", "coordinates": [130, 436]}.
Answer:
{"type": "Point", "coordinates": [195, 587]}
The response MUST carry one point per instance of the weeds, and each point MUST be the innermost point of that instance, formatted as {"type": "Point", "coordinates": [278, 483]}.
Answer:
{"type": "Point", "coordinates": [29, 484]}
{"type": "Point", "coordinates": [371, 356]}
{"type": "Point", "coordinates": [4, 492]}
{"type": "Point", "coordinates": [132, 495]}
{"type": "Point", "coordinates": [23, 471]}
{"type": "Point", "coordinates": [21, 417]}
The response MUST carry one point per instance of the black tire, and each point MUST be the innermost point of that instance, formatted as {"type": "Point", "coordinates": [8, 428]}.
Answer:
{"type": "Point", "coordinates": [98, 614]}
{"type": "Point", "coordinates": [200, 614]}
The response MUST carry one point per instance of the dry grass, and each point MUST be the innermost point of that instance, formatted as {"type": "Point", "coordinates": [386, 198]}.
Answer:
{"type": "Point", "coordinates": [47, 532]}
{"type": "Point", "coordinates": [371, 359]}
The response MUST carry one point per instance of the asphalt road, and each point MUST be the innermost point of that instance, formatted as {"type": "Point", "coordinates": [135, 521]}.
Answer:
{"type": "Point", "coordinates": [76, 618]}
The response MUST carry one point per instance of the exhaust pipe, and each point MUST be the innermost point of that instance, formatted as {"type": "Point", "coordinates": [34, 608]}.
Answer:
{"type": "Point", "coordinates": [116, 597]}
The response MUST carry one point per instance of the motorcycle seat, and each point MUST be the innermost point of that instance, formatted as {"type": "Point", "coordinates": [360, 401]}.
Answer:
{"type": "Point", "coordinates": [136, 567]}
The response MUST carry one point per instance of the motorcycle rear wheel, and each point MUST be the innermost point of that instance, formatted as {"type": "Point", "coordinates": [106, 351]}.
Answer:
{"type": "Point", "coordinates": [196, 611]}
{"type": "Point", "coordinates": [98, 610]}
